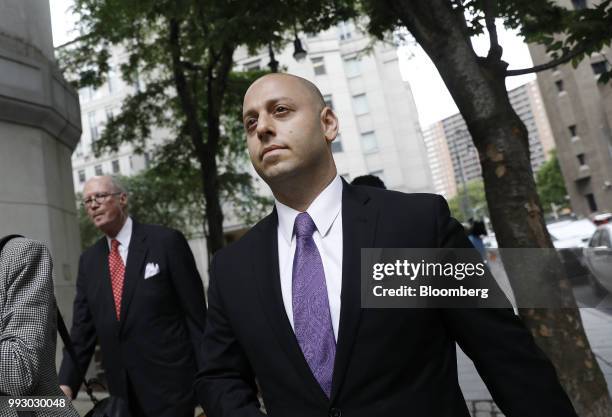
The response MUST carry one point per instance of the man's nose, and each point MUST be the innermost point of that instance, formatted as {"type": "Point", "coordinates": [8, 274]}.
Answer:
{"type": "Point", "coordinates": [265, 126]}
{"type": "Point", "coordinates": [93, 205]}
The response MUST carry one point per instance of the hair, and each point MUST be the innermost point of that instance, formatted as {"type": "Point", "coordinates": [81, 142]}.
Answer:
{"type": "Point", "coordinates": [369, 180]}
{"type": "Point", "coordinates": [478, 228]}
{"type": "Point", "coordinates": [117, 184]}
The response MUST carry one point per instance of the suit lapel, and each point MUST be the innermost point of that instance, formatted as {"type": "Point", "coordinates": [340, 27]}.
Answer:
{"type": "Point", "coordinates": [136, 256]}
{"type": "Point", "coordinates": [265, 265]}
{"type": "Point", "coordinates": [102, 282]}
{"type": "Point", "coordinates": [358, 231]}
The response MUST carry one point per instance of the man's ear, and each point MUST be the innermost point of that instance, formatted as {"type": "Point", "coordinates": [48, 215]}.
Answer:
{"type": "Point", "coordinates": [123, 199]}
{"type": "Point", "coordinates": [329, 123]}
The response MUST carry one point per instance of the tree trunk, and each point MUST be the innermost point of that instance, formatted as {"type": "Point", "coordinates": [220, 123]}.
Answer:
{"type": "Point", "coordinates": [216, 85]}
{"type": "Point", "coordinates": [206, 149]}
{"type": "Point", "coordinates": [478, 87]}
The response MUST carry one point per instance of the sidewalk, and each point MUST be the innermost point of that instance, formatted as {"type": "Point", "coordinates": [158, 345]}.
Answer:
{"type": "Point", "coordinates": [598, 327]}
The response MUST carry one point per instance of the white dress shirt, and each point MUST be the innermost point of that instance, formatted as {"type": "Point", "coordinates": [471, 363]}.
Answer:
{"type": "Point", "coordinates": [124, 236]}
{"type": "Point", "coordinates": [326, 212]}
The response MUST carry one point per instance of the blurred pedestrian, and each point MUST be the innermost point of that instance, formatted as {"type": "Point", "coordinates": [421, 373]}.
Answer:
{"type": "Point", "coordinates": [140, 295]}
{"type": "Point", "coordinates": [369, 180]}
{"type": "Point", "coordinates": [28, 327]}
{"type": "Point", "coordinates": [475, 232]}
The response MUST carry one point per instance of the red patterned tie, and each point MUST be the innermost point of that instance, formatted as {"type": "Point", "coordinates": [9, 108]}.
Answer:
{"type": "Point", "coordinates": [117, 271]}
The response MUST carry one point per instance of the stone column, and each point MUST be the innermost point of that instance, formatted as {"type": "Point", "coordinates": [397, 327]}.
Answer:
{"type": "Point", "coordinates": [40, 125]}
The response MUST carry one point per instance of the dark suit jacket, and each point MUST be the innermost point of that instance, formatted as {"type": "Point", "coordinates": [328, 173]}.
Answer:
{"type": "Point", "coordinates": [389, 362]}
{"type": "Point", "coordinates": [161, 327]}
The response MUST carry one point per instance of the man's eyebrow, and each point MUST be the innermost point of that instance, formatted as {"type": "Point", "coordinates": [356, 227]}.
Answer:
{"type": "Point", "coordinates": [268, 103]}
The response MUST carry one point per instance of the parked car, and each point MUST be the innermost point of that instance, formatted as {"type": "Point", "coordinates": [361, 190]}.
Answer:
{"type": "Point", "coordinates": [598, 260]}
{"type": "Point", "coordinates": [569, 238]}
{"type": "Point", "coordinates": [571, 233]}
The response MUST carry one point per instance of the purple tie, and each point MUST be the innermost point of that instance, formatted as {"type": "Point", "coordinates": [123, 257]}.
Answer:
{"type": "Point", "coordinates": [311, 316]}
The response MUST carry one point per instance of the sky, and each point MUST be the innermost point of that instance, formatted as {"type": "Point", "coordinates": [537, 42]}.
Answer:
{"type": "Point", "coordinates": [432, 98]}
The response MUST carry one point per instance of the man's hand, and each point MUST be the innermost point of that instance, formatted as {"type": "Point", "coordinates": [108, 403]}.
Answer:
{"type": "Point", "coordinates": [67, 391]}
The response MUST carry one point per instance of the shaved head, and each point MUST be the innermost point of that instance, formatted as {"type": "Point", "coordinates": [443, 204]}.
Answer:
{"type": "Point", "coordinates": [300, 82]}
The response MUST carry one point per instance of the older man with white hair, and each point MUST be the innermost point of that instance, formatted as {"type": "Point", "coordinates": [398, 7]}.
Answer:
{"type": "Point", "coordinates": [140, 295]}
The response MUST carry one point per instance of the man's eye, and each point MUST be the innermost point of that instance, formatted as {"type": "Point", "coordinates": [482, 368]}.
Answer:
{"type": "Point", "coordinates": [250, 123]}
{"type": "Point", "coordinates": [281, 109]}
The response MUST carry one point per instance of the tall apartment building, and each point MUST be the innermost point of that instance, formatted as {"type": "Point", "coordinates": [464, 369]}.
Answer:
{"type": "Point", "coordinates": [379, 129]}
{"type": "Point", "coordinates": [580, 112]}
{"type": "Point", "coordinates": [440, 162]}
{"type": "Point", "coordinates": [451, 136]}
{"type": "Point", "coordinates": [97, 105]}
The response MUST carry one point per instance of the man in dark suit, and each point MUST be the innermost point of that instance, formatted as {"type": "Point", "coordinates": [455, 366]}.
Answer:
{"type": "Point", "coordinates": [140, 295]}
{"type": "Point", "coordinates": [284, 301]}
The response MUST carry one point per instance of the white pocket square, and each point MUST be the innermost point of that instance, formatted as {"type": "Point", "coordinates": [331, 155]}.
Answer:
{"type": "Point", "coordinates": [150, 270]}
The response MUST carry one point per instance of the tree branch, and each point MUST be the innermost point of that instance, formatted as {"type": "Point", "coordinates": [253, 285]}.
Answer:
{"type": "Point", "coordinates": [561, 60]}
{"type": "Point", "coordinates": [495, 50]}
{"type": "Point", "coordinates": [180, 81]}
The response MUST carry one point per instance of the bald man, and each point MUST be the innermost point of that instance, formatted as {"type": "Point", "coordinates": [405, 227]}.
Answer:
{"type": "Point", "coordinates": [285, 311]}
{"type": "Point", "coordinates": [140, 296]}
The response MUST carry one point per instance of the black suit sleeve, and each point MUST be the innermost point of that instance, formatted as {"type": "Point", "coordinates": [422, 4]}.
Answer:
{"type": "Point", "coordinates": [82, 334]}
{"type": "Point", "coordinates": [189, 288]}
{"type": "Point", "coordinates": [521, 379]}
{"type": "Point", "coordinates": [225, 384]}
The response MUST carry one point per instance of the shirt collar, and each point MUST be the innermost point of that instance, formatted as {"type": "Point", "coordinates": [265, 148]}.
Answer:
{"type": "Point", "coordinates": [124, 235]}
{"type": "Point", "coordinates": [323, 210]}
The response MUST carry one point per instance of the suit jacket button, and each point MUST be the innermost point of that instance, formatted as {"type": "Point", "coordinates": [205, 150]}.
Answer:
{"type": "Point", "coordinates": [335, 412]}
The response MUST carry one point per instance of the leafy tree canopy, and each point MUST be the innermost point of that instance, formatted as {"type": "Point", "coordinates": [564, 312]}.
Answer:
{"type": "Point", "coordinates": [551, 186]}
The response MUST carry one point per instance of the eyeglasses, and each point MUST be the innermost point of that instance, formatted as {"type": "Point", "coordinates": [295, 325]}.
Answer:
{"type": "Point", "coordinates": [98, 198]}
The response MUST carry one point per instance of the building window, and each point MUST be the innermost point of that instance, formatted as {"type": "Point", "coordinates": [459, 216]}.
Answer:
{"type": "Point", "coordinates": [368, 142]}
{"type": "Point", "coordinates": [572, 130]}
{"type": "Point", "coordinates": [579, 4]}
{"type": "Point", "coordinates": [559, 84]}
{"type": "Point", "coordinates": [345, 30]}
{"type": "Point", "coordinates": [86, 93]}
{"type": "Point", "coordinates": [82, 177]}
{"type": "Point", "coordinates": [590, 198]}
{"type": "Point", "coordinates": [253, 65]}
{"type": "Point", "coordinates": [360, 103]}
{"type": "Point", "coordinates": [327, 98]}
{"type": "Point", "coordinates": [581, 159]}
{"type": "Point", "coordinates": [131, 160]}
{"type": "Point", "coordinates": [599, 67]}
{"type": "Point", "coordinates": [79, 149]}
{"type": "Point", "coordinates": [319, 65]}
{"type": "Point", "coordinates": [110, 112]}
{"type": "Point", "coordinates": [147, 159]}
{"type": "Point", "coordinates": [110, 81]}
{"type": "Point", "coordinates": [93, 126]}
{"type": "Point", "coordinates": [336, 145]}
{"type": "Point", "coordinates": [352, 67]}
{"type": "Point", "coordinates": [115, 165]}
{"type": "Point", "coordinates": [98, 169]}
{"type": "Point", "coordinates": [137, 84]}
